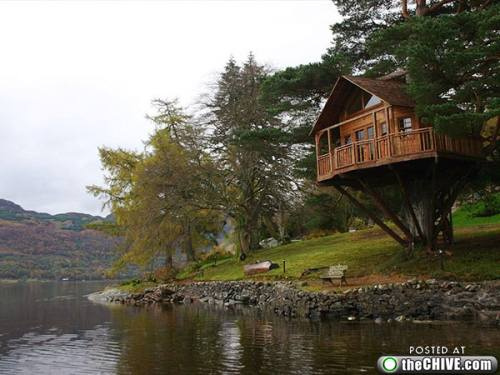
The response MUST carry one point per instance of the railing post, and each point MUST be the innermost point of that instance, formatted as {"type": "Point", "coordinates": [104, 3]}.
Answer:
{"type": "Point", "coordinates": [329, 149]}
{"type": "Point", "coordinates": [317, 156]}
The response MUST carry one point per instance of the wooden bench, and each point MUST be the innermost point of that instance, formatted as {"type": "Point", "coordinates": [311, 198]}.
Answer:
{"type": "Point", "coordinates": [335, 272]}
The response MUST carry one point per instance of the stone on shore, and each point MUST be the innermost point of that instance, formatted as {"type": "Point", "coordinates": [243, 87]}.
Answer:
{"type": "Point", "coordinates": [414, 300]}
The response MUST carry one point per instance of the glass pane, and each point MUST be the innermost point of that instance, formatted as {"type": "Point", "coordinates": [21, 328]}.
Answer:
{"type": "Point", "coordinates": [383, 128]}
{"type": "Point", "coordinates": [360, 135]}
{"type": "Point", "coordinates": [405, 124]}
{"type": "Point", "coordinates": [371, 132]}
{"type": "Point", "coordinates": [373, 101]}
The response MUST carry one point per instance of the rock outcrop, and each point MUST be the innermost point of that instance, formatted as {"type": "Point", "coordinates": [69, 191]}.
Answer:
{"type": "Point", "coordinates": [410, 301]}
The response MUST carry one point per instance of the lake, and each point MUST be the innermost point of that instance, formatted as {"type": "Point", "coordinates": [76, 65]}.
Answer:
{"type": "Point", "coordinates": [52, 328]}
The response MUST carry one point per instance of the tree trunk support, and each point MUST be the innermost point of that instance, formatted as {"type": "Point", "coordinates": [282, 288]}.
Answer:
{"type": "Point", "coordinates": [406, 197]}
{"type": "Point", "coordinates": [372, 216]}
{"type": "Point", "coordinates": [386, 210]}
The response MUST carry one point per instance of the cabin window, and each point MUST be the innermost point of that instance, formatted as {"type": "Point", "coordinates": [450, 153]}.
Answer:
{"type": "Point", "coordinates": [347, 139]}
{"type": "Point", "coordinates": [360, 135]}
{"type": "Point", "coordinates": [370, 132]}
{"type": "Point", "coordinates": [373, 100]}
{"type": "Point", "coordinates": [383, 128]}
{"type": "Point", "coordinates": [405, 124]}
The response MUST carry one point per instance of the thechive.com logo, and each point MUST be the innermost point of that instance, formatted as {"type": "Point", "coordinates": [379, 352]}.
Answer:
{"type": "Point", "coordinates": [389, 364]}
{"type": "Point", "coordinates": [437, 365]}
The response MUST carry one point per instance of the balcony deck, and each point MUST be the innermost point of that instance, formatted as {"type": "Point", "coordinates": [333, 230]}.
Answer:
{"type": "Point", "coordinates": [393, 148]}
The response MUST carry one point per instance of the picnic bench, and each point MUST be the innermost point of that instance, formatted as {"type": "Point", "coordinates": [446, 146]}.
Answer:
{"type": "Point", "coordinates": [335, 272]}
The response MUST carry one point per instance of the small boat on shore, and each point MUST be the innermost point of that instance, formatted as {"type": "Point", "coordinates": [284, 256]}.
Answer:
{"type": "Point", "coordinates": [259, 267]}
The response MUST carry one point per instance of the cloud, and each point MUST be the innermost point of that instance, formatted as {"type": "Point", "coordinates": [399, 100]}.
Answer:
{"type": "Point", "coordinates": [78, 75]}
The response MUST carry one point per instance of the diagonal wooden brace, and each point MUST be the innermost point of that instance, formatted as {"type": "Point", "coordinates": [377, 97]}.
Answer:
{"type": "Point", "coordinates": [372, 216]}
{"type": "Point", "coordinates": [379, 201]}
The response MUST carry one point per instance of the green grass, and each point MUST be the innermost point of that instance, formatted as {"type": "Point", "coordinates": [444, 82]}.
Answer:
{"type": "Point", "coordinates": [466, 215]}
{"type": "Point", "coordinates": [135, 286]}
{"type": "Point", "coordinates": [476, 256]}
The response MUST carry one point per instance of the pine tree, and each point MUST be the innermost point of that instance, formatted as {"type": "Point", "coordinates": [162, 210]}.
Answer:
{"type": "Point", "coordinates": [251, 151]}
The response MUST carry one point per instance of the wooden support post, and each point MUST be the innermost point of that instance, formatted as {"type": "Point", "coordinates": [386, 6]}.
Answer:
{"type": "Point", "coordinates": [372, 216]}
{"type": "Point", "coordinates": [431, 241]}
{"type": "Point", "coordinates": [316, 139]}
{"type": "Point", "coordinates": [386, 115]}
{"type": "Point", "coordinates": [406, 197]}
{"type": "Point", "coordinates": [330, 158]}
{"type": "Point", "coordinates": [379, 201]}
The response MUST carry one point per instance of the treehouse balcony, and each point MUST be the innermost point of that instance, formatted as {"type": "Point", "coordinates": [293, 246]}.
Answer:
{"type": "Point", "coordinates": [369, 138]}
{"type": "Point", "coordinates": [402, 146]}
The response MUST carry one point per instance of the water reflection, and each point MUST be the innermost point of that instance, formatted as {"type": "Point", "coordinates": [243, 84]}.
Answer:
{"type": "Point", "coordinates": [52, 328]}
{"type": "Point", "coordinates": [196, 339]}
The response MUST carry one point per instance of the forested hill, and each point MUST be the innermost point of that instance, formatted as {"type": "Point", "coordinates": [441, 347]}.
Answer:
{"type": "Point", "coordinates": [37, 245]}
{"type": "Point", "coordinates": [71, 220]}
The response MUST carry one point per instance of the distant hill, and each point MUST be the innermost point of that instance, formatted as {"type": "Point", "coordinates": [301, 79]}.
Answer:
{"type": "Point", "coordinates": [72, 220]}
{"type": "Point", "coordinates": [43, 246]}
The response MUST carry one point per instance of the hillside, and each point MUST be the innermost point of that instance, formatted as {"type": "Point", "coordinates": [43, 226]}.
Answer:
{"type": "Point", "coordinates": [372, 257]}
{"type": "Point", "coordinates": [11, 211]}
{"type": "Point", "coordinates": [37, 245]}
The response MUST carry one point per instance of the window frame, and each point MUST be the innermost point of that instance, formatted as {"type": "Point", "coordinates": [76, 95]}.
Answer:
{"type": "Point", "coordinates": [381, 127]}
{"type": "Point", "coordinates": [401, 127]}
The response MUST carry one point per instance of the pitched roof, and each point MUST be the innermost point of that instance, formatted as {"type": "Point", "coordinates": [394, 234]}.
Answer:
{"type": "Point", "coordinates": [391, 91]}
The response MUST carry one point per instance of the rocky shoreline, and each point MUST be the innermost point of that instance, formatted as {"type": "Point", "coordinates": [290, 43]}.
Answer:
{"type": "Point", "coordinates": [414, 300]}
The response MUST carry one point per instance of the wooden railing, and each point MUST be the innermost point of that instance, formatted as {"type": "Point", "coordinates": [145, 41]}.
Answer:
{"type": "Point", "coordinates": [344, 156]}
{"type": "Point", "coordinates": [411, 142]}
{"type": "Point", "coordinates": [364, 151]}
{"type": "Point", "coordinates": [462, 146]}
{"type": "Point", "coordinates": [324, 165]}
{"type": "Point", "coordinates": [395, 146]}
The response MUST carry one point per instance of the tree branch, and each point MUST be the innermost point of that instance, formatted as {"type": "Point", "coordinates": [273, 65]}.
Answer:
{"type": "Point", "coordinates": [438, 6]}
{"type": "Point", "coordinates": [485, 4]}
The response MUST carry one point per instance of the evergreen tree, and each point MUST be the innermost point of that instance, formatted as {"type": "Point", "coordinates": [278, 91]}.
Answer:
{"type": "Point", "coordinates": [454, 67]}
{"type": "Point", "coordinates": [251, 151]}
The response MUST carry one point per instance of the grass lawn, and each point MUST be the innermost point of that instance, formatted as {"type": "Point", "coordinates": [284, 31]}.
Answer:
{"type": "Point", "coordinates": [467, 215]}
{"type": "Point", "coordinates": [372, 256]}
{"type": "Point", "coordinates": [463, 218]}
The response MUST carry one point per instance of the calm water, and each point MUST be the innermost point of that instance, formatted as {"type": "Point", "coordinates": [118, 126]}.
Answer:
{"type": "Point", "coordinates": [51, 328]}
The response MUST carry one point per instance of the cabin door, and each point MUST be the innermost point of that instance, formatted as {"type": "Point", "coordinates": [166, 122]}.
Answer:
{"type": "Point", "coordinates": [365, 148]}
{"type": "Point", "coordinates": [361, 149]}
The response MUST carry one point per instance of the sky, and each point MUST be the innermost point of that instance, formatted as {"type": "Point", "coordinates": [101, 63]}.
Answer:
{"type": "Point", "coordinates": [77, 75]}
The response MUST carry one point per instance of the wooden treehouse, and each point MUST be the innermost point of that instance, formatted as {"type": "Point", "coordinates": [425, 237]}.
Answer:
{"type": "Point", "coordinates": [368, 138]}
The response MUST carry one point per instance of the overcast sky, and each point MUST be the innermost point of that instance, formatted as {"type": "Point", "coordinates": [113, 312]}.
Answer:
{"type": "Point", "coordinates": [77, 75]}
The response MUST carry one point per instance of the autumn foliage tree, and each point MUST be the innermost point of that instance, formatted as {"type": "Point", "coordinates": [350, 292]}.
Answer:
{"type": "Point", "coordinates": [157, 196]}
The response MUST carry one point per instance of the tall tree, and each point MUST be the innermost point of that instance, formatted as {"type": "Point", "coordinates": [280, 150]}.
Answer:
{"type": "Point", "coordinates": [157, 196]}
{"type": "Point", "coordinates": [449, 48]}
{"type": "Point", "coordinates": [453, 62]}
{"type": "Point", "coordinates": [250, 148]}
